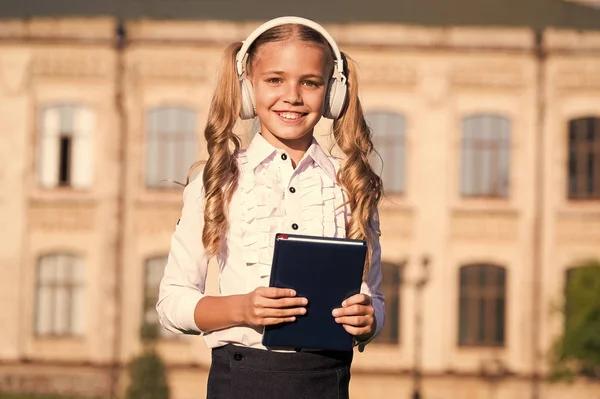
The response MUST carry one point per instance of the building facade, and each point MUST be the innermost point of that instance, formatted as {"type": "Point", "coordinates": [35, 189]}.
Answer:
{"type": "Point", "coordinates": [490, 139]}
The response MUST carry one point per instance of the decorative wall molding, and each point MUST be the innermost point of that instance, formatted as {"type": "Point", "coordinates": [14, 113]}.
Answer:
{"type": "Point", "coordinates": [58, 29]}
{"type": "Point", "coordinates": [15, 71]}
{"type": "Point", "coordinates": [387, 72]}
{"type": "Point", "coordinates": [65, 65]}
{"type": "Point", "coordinates": [481, 225]}
{"type": "Point", "coordinates": [487, 76]}
{"type": "Point", "coordinates": [61, 216]}
{"type": "Point", "coordinates": [578, 78]}
{"type": "Point", "coordinates": [435, 87]}
{"type": "Point", "coordinates": [173, 69]}
{"type": "Point", "coordinates": [578, 228]}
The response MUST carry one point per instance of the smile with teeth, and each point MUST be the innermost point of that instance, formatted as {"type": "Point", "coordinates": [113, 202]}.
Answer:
{"type": "Point", "coordinates": [291, 115]}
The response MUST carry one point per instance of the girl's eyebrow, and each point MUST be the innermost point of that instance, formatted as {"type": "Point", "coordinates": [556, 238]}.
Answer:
{"type": "Point", "coordinates": [280, 73]}
{"type": "Point", "coordinates": [312, 75]}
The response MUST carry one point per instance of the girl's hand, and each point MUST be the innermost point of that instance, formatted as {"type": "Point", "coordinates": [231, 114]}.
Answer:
{"type": "Point", "coordinates": [357, 316]}
{"type": "Point", "coordinates": [268, 305]}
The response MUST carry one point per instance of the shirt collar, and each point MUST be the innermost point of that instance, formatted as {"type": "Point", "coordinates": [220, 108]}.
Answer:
{"type": "Point", "coordinates": [260, 150]}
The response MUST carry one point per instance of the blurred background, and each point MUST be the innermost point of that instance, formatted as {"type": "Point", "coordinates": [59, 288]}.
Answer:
{"type": "Point", "coordinates": [486, 114]}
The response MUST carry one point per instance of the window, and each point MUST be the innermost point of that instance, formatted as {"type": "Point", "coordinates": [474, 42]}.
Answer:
{"type": "Point", "coordinates": [66, 147]}
{"type": "Point", "coordinates": [390, 285]}
{"type": "Point", "coordinates": [389, 131]}
{"type": "Point", "coordinates": [485, 156]}
{"type": "Point", "coordinates": [171, 145]}
{"type": "Point", "coordinates": [60, 296]}
{"type": "Point", "coordinates": [482, 305]}
{"type": "Point", "coordinates": [584, 158]}
{"type": "Point", "coordinates": [153, 274]}
{"type": "Point", "coordinates": [580, 280]}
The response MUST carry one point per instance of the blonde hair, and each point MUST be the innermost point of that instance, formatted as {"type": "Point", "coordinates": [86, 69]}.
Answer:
{"type": "Point", "coordinates": [362, 185]}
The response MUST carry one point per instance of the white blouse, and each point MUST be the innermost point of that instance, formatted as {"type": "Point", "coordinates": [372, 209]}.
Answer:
{"type": "Point", "coordinates": [272, 197]}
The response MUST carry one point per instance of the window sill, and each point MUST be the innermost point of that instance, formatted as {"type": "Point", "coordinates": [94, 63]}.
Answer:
{"type": "Point", "coordinates": [487, 204]}
{"type": "Point", "coordinates": [580, 207]}
{"type": "Point", "coordinates": [480, 347]}
{"type": "Point", "coordinates": [63, 194]}
{"type": "Point", "coordinates": [74, 339]}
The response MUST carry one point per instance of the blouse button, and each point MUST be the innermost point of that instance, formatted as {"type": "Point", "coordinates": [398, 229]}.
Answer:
{"type": "Point", "coordinates": [283, 156]}
{"type": "Point", "coordinates": [238, 356]}
{"type": "Point", "coordinates": [292, 190]}
{"type": "Point", "coordinates": [295, 226]}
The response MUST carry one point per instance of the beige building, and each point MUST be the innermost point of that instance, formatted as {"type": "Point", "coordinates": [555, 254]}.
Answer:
{"type": "Point", "coordinates": [491, 143]}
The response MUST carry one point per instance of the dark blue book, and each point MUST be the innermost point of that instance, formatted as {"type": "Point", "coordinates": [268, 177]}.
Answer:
{"type": "Point", "coordinates": [324, 270]}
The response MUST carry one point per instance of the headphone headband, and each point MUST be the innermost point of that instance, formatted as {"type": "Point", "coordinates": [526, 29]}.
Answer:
{"type": "Point", "coordinates": [239, 59]}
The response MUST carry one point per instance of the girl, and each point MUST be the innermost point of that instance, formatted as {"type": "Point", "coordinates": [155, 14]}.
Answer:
{"type": "Point", "coordinates": [288, 73]}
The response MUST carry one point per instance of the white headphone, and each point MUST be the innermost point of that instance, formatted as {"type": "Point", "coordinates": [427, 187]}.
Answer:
{"type": "Point", "coordinates": [336, 90]}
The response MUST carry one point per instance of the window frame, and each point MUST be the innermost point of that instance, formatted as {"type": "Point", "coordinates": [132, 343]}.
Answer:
{"type": "Point", "coordinates": [75, 122]}
{"type": "Point", "coordinates": [381, 142]}
{"type": "Point", "coordinates": [393, 304]}
{"type": "Point", "coordinates": [578, 149]}
{"type": "Point", "coordinates": [168, 141]}
{"type": "Point", "coordinates": [70, 285]}
{"type": "Point", "coordinates": [481, 135]}
{"type": "Point", "coordinates": [149, 301]}
{"type": "Point", "coordinates": [470, 324]}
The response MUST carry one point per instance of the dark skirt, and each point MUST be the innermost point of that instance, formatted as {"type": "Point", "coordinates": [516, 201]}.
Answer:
{"type": "Point", "coordinates": [246, 373]}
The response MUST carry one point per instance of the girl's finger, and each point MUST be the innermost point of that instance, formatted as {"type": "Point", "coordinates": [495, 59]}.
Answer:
{"type": "Point", "coordinates": [358, 299]}
{"type": "Point", "coordinates": [272, 292]}
{"type": "Point", "coordinates": [277, 320]}
{"type": "Point", "coordinates": [282, 302]}
{"type": "Point", "coordinates": [279, 313]}
{"type": "Point", "coordinates": [354, 310]}
{"type": "Point", "coordinates": [356, 330]}
{"type": "Point", "coordinates": [355, 321]}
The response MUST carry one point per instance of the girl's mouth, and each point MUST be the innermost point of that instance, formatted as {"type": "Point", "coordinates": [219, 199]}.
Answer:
{"type": "Point", "coordinates": [290, 117]}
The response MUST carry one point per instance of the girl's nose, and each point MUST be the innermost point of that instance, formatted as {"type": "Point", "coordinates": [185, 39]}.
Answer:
{"type": "Point", "coordinates": [292, 94]}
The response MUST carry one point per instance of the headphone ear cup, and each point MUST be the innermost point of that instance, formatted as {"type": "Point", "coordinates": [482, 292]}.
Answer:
{"type": "Point", "coordinates": [335, 100]}
{"type": "Point", "coordinates": [247, 109]}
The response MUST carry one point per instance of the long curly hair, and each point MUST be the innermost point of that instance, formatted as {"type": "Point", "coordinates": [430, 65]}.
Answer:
{"type": "Point", "coordinates": [363, 187]}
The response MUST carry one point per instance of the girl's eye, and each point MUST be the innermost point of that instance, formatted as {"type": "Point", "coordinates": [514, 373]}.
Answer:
{"type": "Point", "coordinates": [311, 83]}
{"type": "Point", "coordinates": [274, 80]}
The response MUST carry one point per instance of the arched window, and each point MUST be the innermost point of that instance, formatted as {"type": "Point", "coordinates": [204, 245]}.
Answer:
{"type": "Point", "coordinates": [153, 272]}
{"type": "Point", "coordinates": [482, 305]}
{"type": "Point", "coordinates": [171, 145]}
{"type": "Point", "coordinates": [60, 306]}
{"type": "Point", "coordinates": [584, 158]}
{"type": "Point", "coordinates": [485, 156]}
{"type": "Point", "coordinates": [66, 150]}
{"type": "Point", "coordinates": [390, 285]}
{"type": "Point", "coordinates": [389, 131]}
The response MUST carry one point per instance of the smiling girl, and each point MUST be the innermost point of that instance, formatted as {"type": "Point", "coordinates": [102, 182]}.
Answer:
{"type": "Point", "coordinates": [289, 73]}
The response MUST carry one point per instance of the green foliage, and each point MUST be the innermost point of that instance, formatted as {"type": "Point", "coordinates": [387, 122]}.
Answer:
{"type": "Point", "coordinates": [577, 351]}
{"type": "Point", "coordinates": [148, 378]}
{"type": "Point", "coordinates": [149, 332]}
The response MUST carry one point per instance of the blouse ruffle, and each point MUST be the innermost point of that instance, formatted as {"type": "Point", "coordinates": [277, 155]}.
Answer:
{"type": "Point", "coordinates": [262, 195]}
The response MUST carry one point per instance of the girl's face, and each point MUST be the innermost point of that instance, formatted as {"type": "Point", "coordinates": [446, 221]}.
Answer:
{"type": "Point", "coordinates": [290, 81]}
